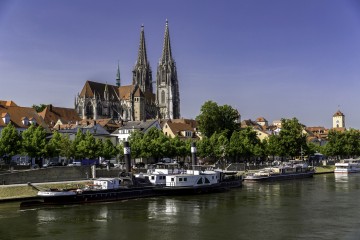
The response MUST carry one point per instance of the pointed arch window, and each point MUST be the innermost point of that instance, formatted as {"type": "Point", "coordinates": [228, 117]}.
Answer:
{"type": "Point", "coordinates": [162, 96]}
{"type": "Point", "coordinates": [89, 110]}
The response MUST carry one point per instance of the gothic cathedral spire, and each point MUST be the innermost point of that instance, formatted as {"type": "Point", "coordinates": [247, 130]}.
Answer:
{"type": "Point", "coordinates": [167, 95]}
{"type": "Point", "coordinates": [142, 74]}
{"type": "Point", "coordinates": [118, 82]}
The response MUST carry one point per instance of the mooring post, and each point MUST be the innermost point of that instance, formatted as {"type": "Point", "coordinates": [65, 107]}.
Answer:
{"type": "Point", "coordinates": [193, 155]}
{"type": "Point", "coordinates": [127, 156]}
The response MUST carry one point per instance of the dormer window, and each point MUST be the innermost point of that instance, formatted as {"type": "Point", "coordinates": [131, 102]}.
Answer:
{"type": "Point", "coordinates": [25, 121]}
{"type": "Point", "coordinates": [32, 121]}
{"type": "Point", "coordinates": [6, 118]}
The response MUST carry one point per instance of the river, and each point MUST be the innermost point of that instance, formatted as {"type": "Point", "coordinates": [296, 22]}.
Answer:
{"type": "Point", "coordinates": [323, 207]}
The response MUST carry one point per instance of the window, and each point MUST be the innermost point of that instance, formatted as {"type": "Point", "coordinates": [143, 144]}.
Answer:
{"type": "Point", "coordinates": [207, 180]}
{"type": "Point", "coordinates": [200, 181]}
{"type": "Point", "coordinates": [185, 179]}
{"type": "Point", "coordinates": [172, 179]}
{"type": "Point", "coordinates": [180, 179]}
{"type": "Point", "coordinates": [162, 96]}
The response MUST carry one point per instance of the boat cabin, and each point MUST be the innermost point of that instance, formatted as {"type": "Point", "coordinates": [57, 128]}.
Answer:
{"type": "Point", "coordinates": [193, 178]}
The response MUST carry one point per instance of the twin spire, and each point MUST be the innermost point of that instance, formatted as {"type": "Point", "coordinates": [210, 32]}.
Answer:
{"type": "Point", "coordinates": [142, 74]}
{"type": "Point", "coordinates": [166, 53]}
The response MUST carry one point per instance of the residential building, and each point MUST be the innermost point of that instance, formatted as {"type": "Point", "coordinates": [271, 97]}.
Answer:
{"type": "Point", "coordinates": [123, 133]}
{"type": "Point", "coordinates": [181, 128]}
{"type": "Point", "coordinates": [54, 116]}
{"type": "Point", "coordinates": [20, 117]}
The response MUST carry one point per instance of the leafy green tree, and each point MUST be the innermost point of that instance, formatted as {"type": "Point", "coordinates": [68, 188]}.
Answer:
{"type": "Point", "coordinates": [66, 149]}
{"type": "Point", "coordinates": [343, 144]}
{"type": "Point", "coordinates": [336, 143]}
{"type": "Point", "coordinates": [87, 147]}
{"type": "Point", "coordinates": [291, 138]}
{"type": "Point", "coordinates": [34, 142]}
{"type": "Point", "coordinates": [245, 144]}
{"type": "Point", "coordinates": [204, 148]}
{"type": "Point", "coordinates": [352, 143]}
{"type": "Point", "coordinates": [272, 146]}
{"type": "Point", "coordinates": [181, 148]}
{"type": "Point", "coordinates": [136, 144]}
{"type": "Point", "coordinates": [10, 142]}
{"type": "Point", "coordinates": [74, 145]}
{"type": "Point", "coordinates": [39, 108]}
{"type": "Point", "coordinates": [214, 118]}
{"type": "Point", "coordinates": [53, 148]}
{"type": "Point", "coordinates": [108, 149]}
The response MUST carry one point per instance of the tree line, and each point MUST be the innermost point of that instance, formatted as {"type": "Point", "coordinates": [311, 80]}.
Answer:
{"type": "Point", "coordinates": [34, 143]}
{"type": "Point", "coordinates": [221, 138]}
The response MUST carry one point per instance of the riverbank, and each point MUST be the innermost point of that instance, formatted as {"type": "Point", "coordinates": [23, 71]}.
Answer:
{"type": "Point", "coordinates": [19, 192]}
{"type": "Point", "coordinates": [325, 169]}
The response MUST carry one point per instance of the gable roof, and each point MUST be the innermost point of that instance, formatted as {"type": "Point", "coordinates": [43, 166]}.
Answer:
{"type": "Point", "coordinates": [18, 114]}
{"type": "Point", "coordinates": [52, 114]}
{"type": "Point", "coordinates": [97, 89]}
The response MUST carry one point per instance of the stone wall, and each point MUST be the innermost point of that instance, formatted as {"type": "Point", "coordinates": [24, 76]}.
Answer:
{"type": "Point", "coordinates": [54, 174]}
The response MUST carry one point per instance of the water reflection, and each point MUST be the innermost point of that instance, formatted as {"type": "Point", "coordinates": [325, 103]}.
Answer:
{"type": "Point", "coordinates": [341, 178]}
{"type": "Point", "coordinates": [324, 207]}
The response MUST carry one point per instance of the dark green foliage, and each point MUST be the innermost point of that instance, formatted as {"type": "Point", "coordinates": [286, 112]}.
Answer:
{"type": "Point", "coordinates": [214, 118]}
{"type": "Point", "coordinates": [39, 108]}
{"type": "Point", "coordinates": [10, 142]}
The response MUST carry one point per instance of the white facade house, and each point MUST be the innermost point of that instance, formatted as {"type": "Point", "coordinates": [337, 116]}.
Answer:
{"type": "Point", "coordinates": [123, 133]}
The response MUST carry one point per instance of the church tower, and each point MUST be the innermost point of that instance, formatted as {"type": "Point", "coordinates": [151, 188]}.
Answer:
{"type": "Point", "coordinates": [338, 120]}
{"type": "Point", "coordinates": [142, 74]}
{"type": "Point", "coordinates": [167, 91]}
{"type": "Point", "coordinates": [118, 82]}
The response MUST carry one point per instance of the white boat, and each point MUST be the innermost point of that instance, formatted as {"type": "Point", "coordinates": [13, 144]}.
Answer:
{"type": "Point", "coordinates": [157, 175]}
{"type": "Point", "coordinates": [172, 179]}
{"type": "Point", "coordinates": [281, 172]}
{"type": "Point", "coordinates": [192, 181]}
{"type": "Point", "coordinates": [347, 166]}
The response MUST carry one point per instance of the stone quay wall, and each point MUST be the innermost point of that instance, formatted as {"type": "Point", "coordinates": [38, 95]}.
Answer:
{"type": "Point", "coordinates": [54, 174]}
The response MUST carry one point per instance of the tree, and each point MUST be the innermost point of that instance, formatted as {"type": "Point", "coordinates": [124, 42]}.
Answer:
{"type": "Point", "coordinates": [87, 147]}
{"type": "Point", "coordinates": [108, 149]}
{"type": "Point", "coordinates": [10, 142]}
{"type": "Point", "coordinates": [245, 144]}
{"type": "Point", "coordinates": [34, 142]}
{"type": "Point", "coordinates": [272, 146]}
{"type": "Point", "coordinates": [214, 118]}
{"type": "Point", "coordinates": [74, 145]}
{"type": "Point", "coordinates": [291, 138]}
{"type": "Point", "coordinates": [66, 149]}
{"type": "Point", "coordinates": [39, 108]}
{"type": "Point", "coordinates": [136, 144]}
{"type": "Point", "coordinates": [53, 148]}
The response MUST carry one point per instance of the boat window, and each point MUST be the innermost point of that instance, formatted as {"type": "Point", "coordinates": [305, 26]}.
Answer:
{"type": "Point", "coordinates": [172, 179]}
{"type": "Point", "coordinates": [207, 180]}
{"type": "Point", "coordinates": [185, 179]}
{"type": "Point", "coordinates": [200, 181]}
{"type": "Point", "coordinates": [180, 179]}
{"type": "Point", "coordinates": [152, 177]}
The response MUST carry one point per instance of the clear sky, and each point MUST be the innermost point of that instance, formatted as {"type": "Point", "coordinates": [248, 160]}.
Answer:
{"type": "Point", "coordinates": [270, 58]}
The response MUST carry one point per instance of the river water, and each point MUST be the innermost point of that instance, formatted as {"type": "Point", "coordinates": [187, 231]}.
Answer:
{"type": "Point", "coordinates": [323, 207]}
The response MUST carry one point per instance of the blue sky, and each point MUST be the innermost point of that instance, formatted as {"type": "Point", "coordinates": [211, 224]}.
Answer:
{"type": "Point", "coordinates": [270, 58]}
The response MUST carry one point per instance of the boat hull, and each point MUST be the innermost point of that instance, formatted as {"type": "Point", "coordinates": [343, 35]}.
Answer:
{"type": "Point", "coordinates": [279, 177]}
{"type": "Point", "coordinates": [93, 196]}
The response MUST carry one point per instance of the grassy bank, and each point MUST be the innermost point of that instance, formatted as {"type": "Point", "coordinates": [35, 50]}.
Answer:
{"type": "Point", "coordinates": [9, 192]}
{"type": "Point", "coordinates": [325, 169]}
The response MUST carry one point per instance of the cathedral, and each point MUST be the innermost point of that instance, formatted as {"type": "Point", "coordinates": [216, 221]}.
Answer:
{"type": "Point", "coordinates": [136, 102]}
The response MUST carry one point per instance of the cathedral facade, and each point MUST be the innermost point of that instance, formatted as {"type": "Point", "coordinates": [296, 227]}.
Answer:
{"type": "Point", "coordinates": [135, 102]}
